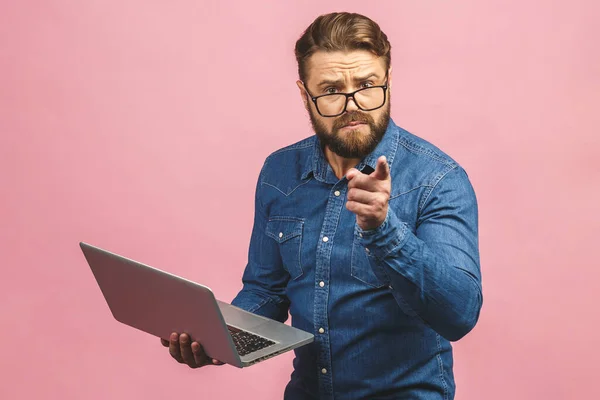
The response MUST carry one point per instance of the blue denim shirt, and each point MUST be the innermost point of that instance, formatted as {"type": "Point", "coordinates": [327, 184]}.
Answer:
{"type": "Point", "coordinates": [383, 305]}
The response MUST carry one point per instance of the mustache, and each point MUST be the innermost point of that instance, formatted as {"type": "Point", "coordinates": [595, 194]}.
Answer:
{"type": "Point", "coordinates": [355, 116]}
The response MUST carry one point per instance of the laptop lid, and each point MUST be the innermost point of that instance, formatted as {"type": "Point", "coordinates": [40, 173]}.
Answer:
{"type": "Point", "coordinates": [159, 303]}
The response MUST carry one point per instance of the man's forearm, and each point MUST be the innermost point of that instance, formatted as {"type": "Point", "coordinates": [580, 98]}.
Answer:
{"type": "Point", "coordinates": [262, 302]}
{"type": "Point", "coordinates": [434, 272]}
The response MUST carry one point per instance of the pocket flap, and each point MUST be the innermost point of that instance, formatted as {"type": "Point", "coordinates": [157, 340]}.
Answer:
{"type": "Point", "coordinates": [284, 228]}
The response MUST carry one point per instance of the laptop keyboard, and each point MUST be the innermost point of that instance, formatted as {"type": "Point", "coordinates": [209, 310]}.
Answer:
{"type": "Point", "coordinates": [246, 342]}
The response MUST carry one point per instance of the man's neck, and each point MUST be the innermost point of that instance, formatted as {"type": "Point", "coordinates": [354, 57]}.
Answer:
{"type": "Point", "coordinates": [340, 165]}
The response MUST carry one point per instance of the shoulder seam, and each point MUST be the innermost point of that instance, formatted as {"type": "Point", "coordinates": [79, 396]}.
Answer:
{"type": "Point", "coordinates": [428, 192]}
{"type": "Point", "coordinates": [415, 148]}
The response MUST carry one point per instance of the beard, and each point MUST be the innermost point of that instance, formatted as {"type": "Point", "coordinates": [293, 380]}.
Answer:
{"type": "Point", "coordinates": [352, 143]}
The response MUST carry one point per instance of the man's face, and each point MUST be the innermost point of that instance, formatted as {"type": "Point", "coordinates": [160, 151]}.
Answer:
{"type": "Point", "coordinates": [355, 133]}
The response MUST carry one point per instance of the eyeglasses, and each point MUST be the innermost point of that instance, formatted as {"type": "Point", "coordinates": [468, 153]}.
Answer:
{"type": "Point", "coordinates": [334, 104]}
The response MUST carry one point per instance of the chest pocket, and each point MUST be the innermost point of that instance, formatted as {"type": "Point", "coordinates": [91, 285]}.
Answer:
{"type": "Point", "coordinates": [287, 232]}
{"type": "Point", "coordinates": [361, 268]}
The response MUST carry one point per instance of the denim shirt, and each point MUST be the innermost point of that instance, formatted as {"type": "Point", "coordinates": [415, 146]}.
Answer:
{"type": "Point", "coordinates": [384, 304]}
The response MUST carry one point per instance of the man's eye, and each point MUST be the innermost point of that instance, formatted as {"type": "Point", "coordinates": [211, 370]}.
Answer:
{"type": "Point", "coordinates": [330, 90]}
{"type": "Point", "coordinates": [367, 84]}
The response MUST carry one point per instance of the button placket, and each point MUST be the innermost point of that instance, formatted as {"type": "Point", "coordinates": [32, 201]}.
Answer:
{"type": "Point", "coordinates": [333, 209]}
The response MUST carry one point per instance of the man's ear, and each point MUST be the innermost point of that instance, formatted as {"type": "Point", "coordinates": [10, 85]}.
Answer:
{"type": "Point", "coordinates": [390, 78]}
{"type": "Point", "coordinates": [303, 93]}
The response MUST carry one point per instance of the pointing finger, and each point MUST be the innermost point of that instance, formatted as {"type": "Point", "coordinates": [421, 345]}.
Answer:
{"type": "Point", "coordinates": [382, 170]}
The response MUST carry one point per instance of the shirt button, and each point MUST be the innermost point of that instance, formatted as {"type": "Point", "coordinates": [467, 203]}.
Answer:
{"type": "Point", "coordinates": [390, 287]}
{"type": "Point", "coordinates": [360, 234]}
{"type": "Point", "coordinates": [321, 330]}
{"type": "Point", "coordinates": [337, 193]}
{"type": "Point", "coordinates": [324, 371]}
{"type": "Point", "coordinates": [321, 283]}
{"type": "Point", "coordinates": [367, 250]}
{"type": "Point", "coordinates": [326, 239]}
{"type": "Point", "coordinates": [280, 234]}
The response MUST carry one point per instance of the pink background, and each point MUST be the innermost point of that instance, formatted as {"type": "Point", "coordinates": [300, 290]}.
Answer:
{"type": "Point", "coordinates": [140, 126]}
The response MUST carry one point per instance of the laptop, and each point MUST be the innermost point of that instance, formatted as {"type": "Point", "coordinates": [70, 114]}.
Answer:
{"type": "Point", "coordinates": [159, 303]}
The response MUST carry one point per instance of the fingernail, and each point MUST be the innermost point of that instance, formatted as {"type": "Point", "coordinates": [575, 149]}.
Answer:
{"type": "Point", "coordinates": [174, 336]}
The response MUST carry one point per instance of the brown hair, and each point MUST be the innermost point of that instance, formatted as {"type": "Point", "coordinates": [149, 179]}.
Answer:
{"type": "Point", "coordinates": [341, 32]}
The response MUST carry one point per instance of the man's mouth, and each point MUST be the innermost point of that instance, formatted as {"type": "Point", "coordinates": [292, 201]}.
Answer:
{"type": "Point", "coordinates": [353, 123]}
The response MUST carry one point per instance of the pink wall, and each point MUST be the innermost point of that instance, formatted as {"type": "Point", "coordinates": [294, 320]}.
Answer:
{"type": "Point", "coordinates": [140, 127]}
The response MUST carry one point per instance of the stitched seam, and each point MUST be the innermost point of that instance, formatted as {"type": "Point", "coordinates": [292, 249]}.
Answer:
{"type": "Point", "coordinates": [415, 148]}
{"type": "Point", "coordinates": [396, 243]}
{"type": "Point", "coordinates": [283, 238]}
{"type": "Point", "coordinates": [354, 260]}
{"type": "Point", "coordinates": [282, 192]}
{"type": "Point", "coordinates": [408, 191]}
{"type": "Point", "coordinates": [275, 235]}
{"type": "Point", "coordinates": [427, 193]}
{"type": "Point", "coordinates": [283, 218]}
{"type": "Point", "coordinates": [274, 187]}
{"type": "Point", "coordinates": [394, 149]}
{"type": "Point", "coordinates": [441, 366]}
{"type": "Point", "coordinates": [303, 183]}
{"type": "Point", "coordinates": [300, 255]}
{"type": "Point", "coordinates": [261, 179]}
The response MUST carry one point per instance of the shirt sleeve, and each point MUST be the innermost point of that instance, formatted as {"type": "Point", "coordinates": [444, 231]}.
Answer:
{"type": "Point", "coordinates": [436, 270]}
{"type": "Point", "coordinates": [264, 279]}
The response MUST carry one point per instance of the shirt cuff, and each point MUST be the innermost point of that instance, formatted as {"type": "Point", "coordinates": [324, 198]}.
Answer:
{"type": "Point", "coordinates": [381, 241]}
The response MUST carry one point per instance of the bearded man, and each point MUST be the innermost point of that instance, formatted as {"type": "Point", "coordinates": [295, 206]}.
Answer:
{"type": "Point", "coordinates": [366, 234]}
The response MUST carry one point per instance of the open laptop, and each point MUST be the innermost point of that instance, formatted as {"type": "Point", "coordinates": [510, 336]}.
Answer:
{"type": "Point", "coordinates": [160, 303]}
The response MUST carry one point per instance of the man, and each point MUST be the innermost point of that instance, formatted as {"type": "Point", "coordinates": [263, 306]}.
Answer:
{"type": "Point", "coordinates": [365, 233]}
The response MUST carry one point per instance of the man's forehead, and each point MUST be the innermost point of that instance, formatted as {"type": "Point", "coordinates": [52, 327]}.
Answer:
{"type": "Point", "coordinates": [337, 64]}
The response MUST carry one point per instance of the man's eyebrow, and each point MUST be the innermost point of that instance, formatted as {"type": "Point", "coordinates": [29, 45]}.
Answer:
{"type": "Point", "coordinates": [362, 79]}
{"type": "Point", "coordinates": [334, 82]}
{"type": "Point", "coordinates": [327, 82]}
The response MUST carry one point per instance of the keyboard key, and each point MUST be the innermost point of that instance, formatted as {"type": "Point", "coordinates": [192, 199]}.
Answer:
{"type": "Point", "coordinates": [246, 342]}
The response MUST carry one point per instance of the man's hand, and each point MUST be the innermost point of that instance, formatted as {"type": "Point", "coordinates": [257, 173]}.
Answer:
{"type": "Point", "coordinates": [188, 353]}
{"type": "Point", "coordinates": [368, 195]}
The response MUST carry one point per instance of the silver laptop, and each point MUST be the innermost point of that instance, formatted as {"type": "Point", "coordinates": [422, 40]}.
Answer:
{"type": "Point", "coordinates": [160, 303]}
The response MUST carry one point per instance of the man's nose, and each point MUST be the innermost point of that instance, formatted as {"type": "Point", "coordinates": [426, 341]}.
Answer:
{"type": "Point", "coordinates": [351, 105]}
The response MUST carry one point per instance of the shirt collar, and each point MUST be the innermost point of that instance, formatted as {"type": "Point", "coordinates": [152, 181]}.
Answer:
{"type": "Point", "coordinates": [387, 147]}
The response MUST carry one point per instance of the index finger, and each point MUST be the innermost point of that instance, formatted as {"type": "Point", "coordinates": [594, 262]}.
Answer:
{"type": "Point", "coordinates": [382, 169]}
